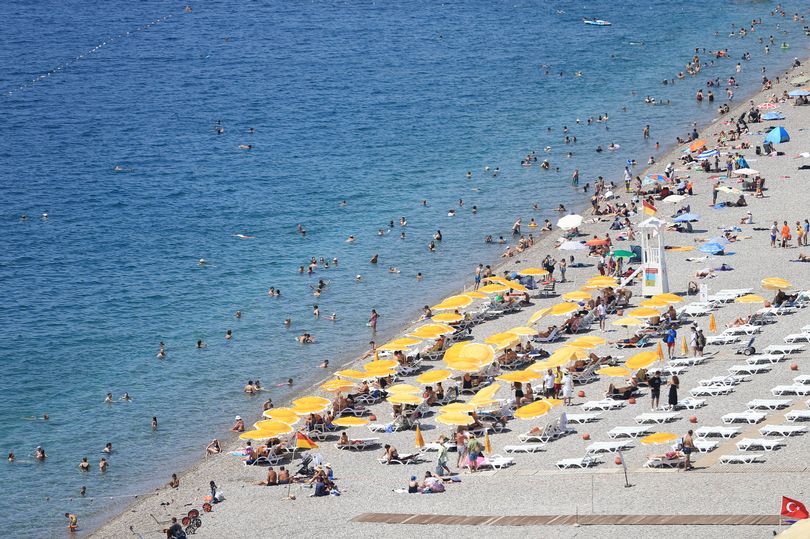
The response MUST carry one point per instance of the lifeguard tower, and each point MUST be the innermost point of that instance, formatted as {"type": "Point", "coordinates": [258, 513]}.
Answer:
{"type": "Point", "coordinates": [653, 268]}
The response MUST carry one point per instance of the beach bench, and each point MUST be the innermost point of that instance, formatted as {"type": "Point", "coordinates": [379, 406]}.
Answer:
{"type": "Point", "coordinates": [693, 311]}
{"type": "Point", "coordinates": [748, 369]}
{"type": "Point", "coordinates": [797, 337]}
{"type": "Point", "coordinates": [658, 462]}
{"type": "Point", "coordinates": [745, 329]}
{"type": "Point", "coordinates": [687, 361]}
{"type": "Point", "coordinates": [268, 460]}
{"type": "Point", "coordinates": [690, 403]}
{"type": "Point", "coordinates": [722, 381]}
{"type": "Point", "coordinates": [748, 416]}
{"type": "Point", "coordinates": [524, 448]}
{"type": "Point", "coordinates": [544, 435]}
{"type": "Point", "coordinates": [584, 418]}
{"type": "Point", "coordinates": [746, 458]}
{"type": "Point", "coordinates": [359, 444]}
{"type": "Point", "coordinates": [553, 336]}
{"type": "Point", "coordinates": [722, 339]}
{"type": "Point", "coordinates": [782, 430]}
{"type": "Point", "coordinates": [496, 462]}
{"type": "Point", "coordinates": [803, 379]}
{"type": "Point", "coordinates": [669, 370]}
{"type": "Point", "coordinates": [798, 415]}
{"type": "Point", "coordinates": [582, 462]}
{"type": "Point", "coordinates": [710, 391]}
{"type": "Point", "coordinates": [402, 458]}
{"type": "Point", "coordinates": [628, 432]}
{"type": "Point", "coordinates": [607, 447]}
{"type": "Point", "coordinates": [602, 405]}
{"type": "Point", "coordinates": [705, 446]}
{"type": "Point", "coordinates": [768, 404]}
{"type": "Point", "coordinates": [641, 343]}
{"type": "Point", "coordinates": [764, 359]}
{"type": "Point", "coordinates": [784, 349]}
{"type": "Point", "coordinates": [764, 444]}
{"type": "Point", "coordinates": [717, 432]}
{"type": "Point", "coordinates": [658, 418]}
{"type": "Point", "coordinates": [795, 389]}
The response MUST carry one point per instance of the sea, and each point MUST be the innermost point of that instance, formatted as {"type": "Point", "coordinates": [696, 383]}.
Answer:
{"type": "Point", "coordinates": [138, 138]}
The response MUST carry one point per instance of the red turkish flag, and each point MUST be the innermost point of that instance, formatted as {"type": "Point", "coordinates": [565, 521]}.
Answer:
{"type": "Point", "coordinates": [793, 508]}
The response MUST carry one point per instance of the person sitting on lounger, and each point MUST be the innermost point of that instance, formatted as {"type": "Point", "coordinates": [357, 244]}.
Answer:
{"type": "Point", "coordinates": [545, 334]}
{"type": "Point", "coordinates": [669, 455]}
{"type": "Point", "coordinates": [621, 393]}
{"type": "Point", "coordinates": [429, 395]}
{"type": "Point", "coordinates": [439, 391]}
{"type": "Point", "coordinates": [632, 340]}
{"type": "Point", "coordinates": [344, 439]}
{"type": "Point", "coordinates": [391, 453]}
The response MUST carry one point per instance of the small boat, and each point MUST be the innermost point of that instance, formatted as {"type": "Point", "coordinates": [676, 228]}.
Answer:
{"type": "Point", "coordinates": [597, 22]}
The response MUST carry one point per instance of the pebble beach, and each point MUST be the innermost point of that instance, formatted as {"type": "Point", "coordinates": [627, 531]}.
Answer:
{"type": "Point", "coordinates": [533, 485]}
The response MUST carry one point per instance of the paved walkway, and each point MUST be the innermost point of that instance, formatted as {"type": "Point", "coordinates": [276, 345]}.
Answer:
{"type": "Point", "coordinates": [570, 520]}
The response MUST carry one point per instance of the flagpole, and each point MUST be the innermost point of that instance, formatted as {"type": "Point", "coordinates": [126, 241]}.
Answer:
{"type": "Point", "coordinates": [779, 525]}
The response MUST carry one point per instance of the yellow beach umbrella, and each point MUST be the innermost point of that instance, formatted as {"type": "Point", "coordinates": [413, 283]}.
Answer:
{"type": "Point", "coordinates": [399, 344]}
{"type": "Point", "coordinates": [478, 352]}
{"type": "Point", "coordinates": [337, 385]}
{"type": "Point", "coordinates": [264, 434]}
{"type": "Point", "coordinates": [312, 408]}
{"type": "Point", "coordinates": [485, 394]}
{"type": "Point", "coordinates": [538, 315]}
{"type": "Point", "coordinates": [457, 408]}
{"type": "Point", "coordinates": [659, 438]}
{"type": "Point", "coordinates": [285, 415]}
{"type": "Point", "coordinates": [643, 312]}
{"type": "Point", "coordinates": [533, 272]}
{"type": "Point", "coordinates": [627, 322]}
{"type": "Point", "coordinates": [475, 295]}
{"type": "Point", "coordinates": [601, 279]}
{"type": "Point", "coordinates": [659, 351]}
{"type": "Point", "coordinates": [432, 331]}
{"type": "Point", "coordinates": [641, 360]}
{"type": "Point", "coordinates": [493, 288]}
{"type": "Point", "coordinates": [312, 399]}
{"type": "Point", "coordinates": [487, 443]}
{"type": "Point", "coordinates": [433, 376]}
{"type": "Point", "coordinates": [523, 331]}
{"type": "Point", "coordinates": [533, 410]}
{"type": "Point", "coordinates": [775, 283]}
{"type": "Point", "coordinates": [568, 353]}
{"type": "Point", "coordinates": [419, 441]}
{"type": "Point", "coordinates": [453, 302]}
{"type": "Point", "coordinates": [403, 389]}
{"type": "Point", "coordinates": [653, 302]}
{"type": "Point", "coordinates": [502, 340]}
{"type": "Point", "coordinates": [380, 365]}
{"type": "Point", "coordinates": [592, 339]}
{"type": "Point", "coordinates": [577, 295]}
{"type": "Point", "coordinates": [613, 371]}
{"type": "Point", "coordinates": [518, 376]}
{"type": "Point", "coordinates": [350, 421]}
{"type": "Point", "coordinates": [750, 298]}
{"type": "Point", "coordinates": [516, 286]}
{"type": "Point", "coordinates": [405, 398]}
{"type": "Point", "coordinates": [551, 402]}
{"type": "Point", "coordinates": [669, 298]}
{"type": "Point", "coordinates": [684, 346]}
{"type": "Point", "coordinates": [461, 365]}
{"type": "Point", "coordinates": [712, 323]}
{"type": "Point", "coordinates": [561, 309]}
{"type": "Point", "coordinates": [455, 419]}
{"type": "Point", "coordinates": [279, 427]}
{"type": "Point", "coordinates": [447, 317]}
{"type": "Point", "coordinates": [352, 373]}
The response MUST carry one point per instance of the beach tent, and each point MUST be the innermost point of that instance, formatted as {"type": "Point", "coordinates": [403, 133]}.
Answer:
{"type": "Point", "coordinates": [687, 217]}
{"type": "Point", "coordinates": [773, 116]}
{"type": "Point", "coordinates": [708, 154]}
{"type": "Point", "coordinates": [801, 92]}
{"type": "Point", "coordinates": [712, 248]}
{"type": "Point", "coordinates": [777, 135]}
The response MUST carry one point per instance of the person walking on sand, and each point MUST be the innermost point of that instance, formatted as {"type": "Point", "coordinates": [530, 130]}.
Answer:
{"type": "Point", "coordinates": [672, 398]}
{"type": "Point", "coordinates": [774, 233]}
{"type": "Point", "coordinates": [441, 461]}
{"type": "Point", "coordinates": [655, 390]}
{"type": "Point", "coordinates": [372, 321]}
{"type": "Point", "coordinates": [785, 235]}
{"type": "Point", "coordinates": [601, 314]}
{"type": "Point", "coordinates": [688, 449]}
{"type": "Point", "coordinates": [478, 271]}
{"type": "Point", "coordinates": [567, 388]}
{"type": "Point", "coordinates": [670, 339]}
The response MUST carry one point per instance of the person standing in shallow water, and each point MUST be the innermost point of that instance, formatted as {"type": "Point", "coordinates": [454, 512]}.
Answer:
{"type": "Point", "coordinates": [372, 321]}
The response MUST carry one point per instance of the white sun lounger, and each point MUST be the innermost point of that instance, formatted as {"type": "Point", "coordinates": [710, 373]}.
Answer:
{"type": "Point", "coordinates": [582, 462]}
{"type": "Point", "coordinates": [748, 369]}
{"type": "Point", "coordinates": [605, 404]}
{"type": "Point", "coordinates": [803, 379]}
{"type": "Point", "coordinates": [782, 430]}
{"type": "Point", "coordinates": [403, 458]}
{"type": "Point", "coordinates": [746, 458]}
{"type": "Point", "coordinates": [664, 462]}
{"type": "Point", "coordinates": [705, 446]}
{"type": "Point", "coordinates": [763, 359]}
{"type": "Point", "coordinates": [784, 349]}
{"type": "Point", "coordinates": [657, 417]}
{"type": "Point", "coordinates": [710, 391]}
{"type": "Point", "coordinates": [524, 448]}
{"type": "Point", "coordinates": [628, 432]}
{"type": "Point", "coordinates": [746, 329]}
{"type": "Point", "coordinates": [546, 434]}
{"type": "Point", "coordinates": [730, 380]}
{"type": "Point", "coordinates": [768, 404]}
{"type": "Point", "coordinates": [717, 432]}
{"type": "Point", "coordinates": [674, 369]}
{"type": "Point", "coordinates": [496, 462]}
{"type": "Point", "coordinates": [797, 337]}
{"type": "Point", "coordinates": [795, 389]}
{"type": "Point", "coordinates": [607, 447]}
{"type": "Point", "coordinates": [764, 444]}
{"type": "Point", "coordinates": [722, 339]}
{"type": "Point", "coordinates": [583, 418]}
{"type": "Point", "coordinates": [798, 415]}
{"type": "Point", "coordinates": [688, 361]}
{"type": "Point", "coordinates": [359, 444]}
{"type": "Point", "coordinates": [690, 403]}
{"type": "Point", "coordinates": [749, 416]}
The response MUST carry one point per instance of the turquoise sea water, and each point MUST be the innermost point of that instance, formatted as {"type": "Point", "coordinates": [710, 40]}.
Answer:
{"type": "Point", "coordinates": [379, 104]}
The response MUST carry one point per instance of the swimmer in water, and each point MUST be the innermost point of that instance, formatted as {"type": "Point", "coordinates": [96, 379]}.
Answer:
{"type": "Point", "coordinates": [228, 335]}
{"type": "Point", "coordinates": [201, 262]}
{"type": "Point", "coordinates": [332, 317]}
{"type": "Point", "coordinates": [325, 364]}
{"type": "Point", "coordinates": [245, 146]}
{"type": "Point", "coordinates": [244, 236]}
{"type": "Point", "coordinates": [451, 213]}
{"type": "Point", "coordinates": [393, 269]}
{"type": "Point", "coordinates": [316, 312]}
{"type": "Point", "coordinates": [109, 398]}
{"type": "Point", "coordinates": [419, 276]}
{"type": "Point", "coordinates": [107, 448]}
{"type": "Point", "coordinates": [475, 209]}
{"type": "Point", "coordinates": [238, 314]}
{"type": "Point", "coordinates": [343, 203]}
{"type": "Point", "coordinates": [350, 239]}
{"type": "Point", "coordinates": [374, 259]}
{"type": "Point", "coordinates": [289, 381]}
{"type": "Point", "coordinates": [125, 397]}
{"type": "Point", "coordinates": [11, 457]}
{"type": "Point", "coordinates": [154, 422]}
{"type": "Point", "coordinates": [306, 338]}
{"type": "Point", "coordinates": [358, 278]}
{"type": "Point", "coordinates": [561, 208]}
{"type": "Point", "coordinates": [39, 453]}
{"type": "Point", "coordinates": [287, 322]}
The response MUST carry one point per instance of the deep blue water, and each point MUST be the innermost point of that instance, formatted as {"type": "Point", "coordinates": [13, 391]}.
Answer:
{"type": "Point", "coordinates": [381, 104]}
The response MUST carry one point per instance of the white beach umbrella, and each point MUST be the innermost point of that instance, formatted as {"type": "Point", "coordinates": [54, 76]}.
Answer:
{"type": "Point", "coordinates": [746, 171]}
{"type": "Point", "coordinates": [672, 199]}
{"type": "Point", "coordinates": [570, 221]}
{"type": "Point", "coordinates": [573, 246]}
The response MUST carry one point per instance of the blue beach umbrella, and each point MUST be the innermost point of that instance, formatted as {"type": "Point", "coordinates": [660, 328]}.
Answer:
{"type": "Point", "coordinates": [799, 93]}
{"type": "Point", "coordinates": [687, 217]}
{"type": "Point", "coordinates": [773, 116]}
{"type": "Point", "coordinates": [711, 248]}
{"type": "Point", "coordinates": [707, 154]}
{"type": "Point", "coordinates": [777, 135]}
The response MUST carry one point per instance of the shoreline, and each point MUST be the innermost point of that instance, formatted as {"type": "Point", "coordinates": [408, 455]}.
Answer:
{"type": "Point", "coordinates": [541, 244]}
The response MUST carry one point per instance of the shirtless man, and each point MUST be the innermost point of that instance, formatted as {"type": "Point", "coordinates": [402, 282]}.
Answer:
{"type": "Point", "coordinates": [390, 453]}
{"type": "Point", "coordinates": [84, 465]}
{"type": "Point", "coordinates": [272, 478]}
{"type": "Point", "coordinates": [239, 426]}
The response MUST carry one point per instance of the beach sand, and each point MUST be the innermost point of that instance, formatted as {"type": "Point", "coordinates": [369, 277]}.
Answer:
{"type": "Point", "coordinates": [534, 486]}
